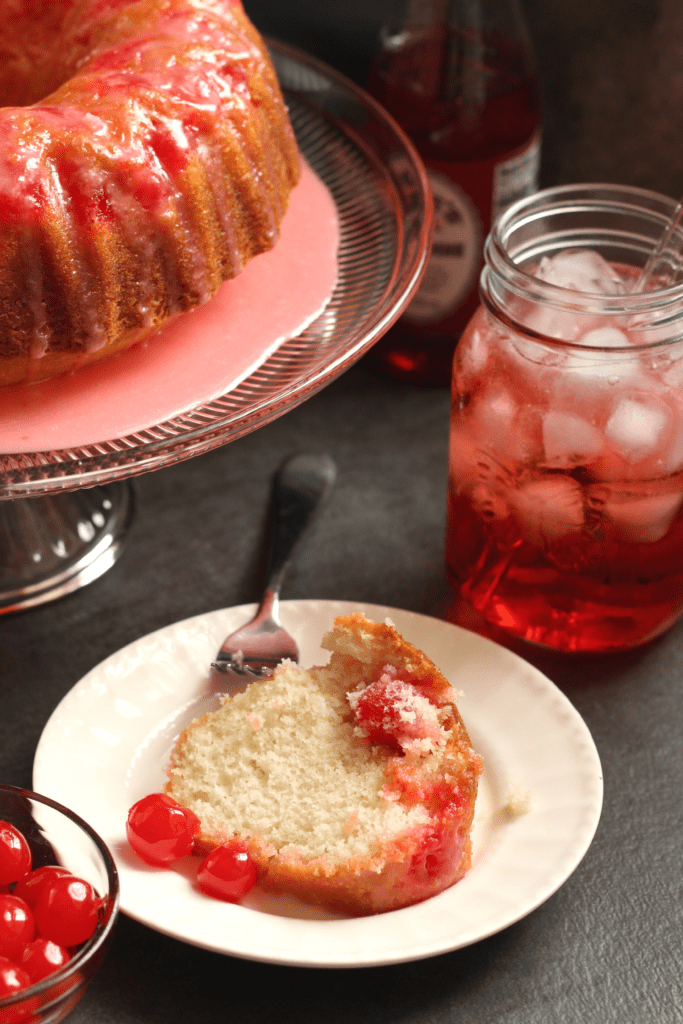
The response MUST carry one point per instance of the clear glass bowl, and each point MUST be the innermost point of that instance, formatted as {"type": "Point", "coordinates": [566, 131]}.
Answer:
{"type": "Point", "coordinates": [58, 836]}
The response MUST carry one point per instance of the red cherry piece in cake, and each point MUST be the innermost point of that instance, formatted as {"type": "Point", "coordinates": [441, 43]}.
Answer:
{"type": "Point", "coordinates": [17, 926]}
{"type": "Point", "coordinates": [227, 873]}
{"type": "Point", "coordinates": [15, 854]}
{"type": "Point", "coordinates": [30, 887]}
{"type": "Point", "coordinates": [43, 957]}
{"type": "Point", "coordinates": [67, 911]}
{"type": "Point", "coordinates": [160, 830]}
{"type": "Point", "coordinates": [394, 712]}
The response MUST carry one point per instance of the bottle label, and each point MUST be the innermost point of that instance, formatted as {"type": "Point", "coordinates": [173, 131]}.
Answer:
{"type": "Point", "coordinates": [456, 249]}
{"type": "Point", "coordinates": [516, 178]}
{"type": "Point", "coordinates": [468, 196]}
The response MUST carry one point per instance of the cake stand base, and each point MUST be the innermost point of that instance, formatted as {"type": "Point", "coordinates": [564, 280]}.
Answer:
{"type": "Point", "coordinates": [53, 544]}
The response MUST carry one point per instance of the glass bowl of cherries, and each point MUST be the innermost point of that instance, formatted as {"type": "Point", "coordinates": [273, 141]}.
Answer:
{"type": "Point", "coordinates": [59, 900]}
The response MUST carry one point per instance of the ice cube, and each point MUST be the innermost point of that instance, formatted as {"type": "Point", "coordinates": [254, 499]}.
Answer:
{"type": "Point", "coordinates": [588, 369]}
{"type": "Point", "coordinates": [494, 414]}
{"type": "Point", "coordinates": [642, 519]}
{"type": "Point", "coordinates": [667, 380]}
{"type": "Point", "coordinates": [511, 432]}
{"type": "Point", "coordinates": [586, 364]}
{"type": "Point", "coordinates": [570, 440]}
{"type": "Point", "coordinates": [472, 471]}
{"type": "Point", "coordinates": [476, 355]}
{"type": "Point", "coordinates": [581, 270]}
{"type": "Point", "coordinates": [672, 375]}
{"type": "Point", "coordinates": [470, 365]}
{"type": "Point", "coordinates": [673, 460]}
{"type": "Point", "coordinates": [636, 428]}
{"type": "Point", "coordinates": [560, 324]}
{"type": "Point", "coordinates": [549, 508]}
{"type": "Point", "coordinates": [589, 382]}
{"type": "Point", "coordinates": [605, 337]}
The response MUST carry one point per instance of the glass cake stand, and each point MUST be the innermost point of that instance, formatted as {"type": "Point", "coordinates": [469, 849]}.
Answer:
{"type": "Point", "coordinates": [66, 512]}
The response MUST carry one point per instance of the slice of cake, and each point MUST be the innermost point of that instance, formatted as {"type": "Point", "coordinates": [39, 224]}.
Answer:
{"type": "Point", "coordinates": [352, 784]}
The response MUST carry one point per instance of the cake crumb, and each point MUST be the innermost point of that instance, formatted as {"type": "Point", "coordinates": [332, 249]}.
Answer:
{"type": "Point", "coordinates": [519, 801]}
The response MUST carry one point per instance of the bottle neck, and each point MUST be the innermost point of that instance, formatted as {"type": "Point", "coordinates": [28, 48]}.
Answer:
{"type": "Point", "coordinates": [460, 78]}
{"type": "Point", "coordinates": [477, 19]}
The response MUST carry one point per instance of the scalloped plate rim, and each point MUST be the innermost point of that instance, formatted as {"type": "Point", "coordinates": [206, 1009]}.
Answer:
{"type": "Point", "coordinates": [122, 715]}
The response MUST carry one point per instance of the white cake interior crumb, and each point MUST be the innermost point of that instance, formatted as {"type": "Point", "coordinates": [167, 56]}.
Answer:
{"type": "Point", "coordinates": [281, 760]}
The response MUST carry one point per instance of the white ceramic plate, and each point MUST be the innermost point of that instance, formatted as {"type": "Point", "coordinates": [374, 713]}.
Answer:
{"type": "Point", "coordinates": [107, 742]}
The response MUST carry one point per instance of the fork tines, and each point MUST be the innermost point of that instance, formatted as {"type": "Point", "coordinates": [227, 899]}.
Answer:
{"type": "Point", "coordinates": [244, 667]}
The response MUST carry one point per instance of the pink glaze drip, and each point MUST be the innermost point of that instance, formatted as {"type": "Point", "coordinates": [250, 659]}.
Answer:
{"type": "Point", "coordinates": [201, 355]}
{"type": "Point", "coordinates": [392, 711]}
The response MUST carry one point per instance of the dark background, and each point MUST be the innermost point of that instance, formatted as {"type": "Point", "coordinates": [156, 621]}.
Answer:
{"type": "Point", "coordinates": [611, 73]}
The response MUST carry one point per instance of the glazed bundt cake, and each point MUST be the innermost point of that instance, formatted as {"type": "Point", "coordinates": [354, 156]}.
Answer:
{"type": "Point", "coordinates": [352, 785]}
{"type": "Point", "coordinates": [145, 156]}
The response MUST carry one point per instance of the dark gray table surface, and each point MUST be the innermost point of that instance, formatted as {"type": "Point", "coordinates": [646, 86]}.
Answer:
{"type": "Point", "coordinates": [607, 947]}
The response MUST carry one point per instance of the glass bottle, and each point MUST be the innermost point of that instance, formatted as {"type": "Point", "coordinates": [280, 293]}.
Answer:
{"type": "Point", "coordinates": [460, 78]}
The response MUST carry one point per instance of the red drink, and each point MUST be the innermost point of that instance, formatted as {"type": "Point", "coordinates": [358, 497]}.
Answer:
{"type": "Point", "coordinates": [470, 104]}
{"type": "Point", "coordinates": [565, 496]}
{"type": "Point", "coordinates": [584, 557]}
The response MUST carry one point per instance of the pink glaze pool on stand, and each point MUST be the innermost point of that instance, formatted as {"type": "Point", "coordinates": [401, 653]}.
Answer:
{"type": "Point", "coordinates": [198, 357]}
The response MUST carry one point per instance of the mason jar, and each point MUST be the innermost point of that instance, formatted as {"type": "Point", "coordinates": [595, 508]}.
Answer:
{"type": "Point", "coordinates": [565, 490]}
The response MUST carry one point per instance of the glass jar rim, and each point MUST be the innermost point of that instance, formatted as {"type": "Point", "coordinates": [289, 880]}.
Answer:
{"type": "Point", "coordinates": [503, 267]}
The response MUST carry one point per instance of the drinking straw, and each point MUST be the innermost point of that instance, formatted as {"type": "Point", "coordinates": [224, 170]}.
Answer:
{"type": "Point", "coordinates": [664, 263]}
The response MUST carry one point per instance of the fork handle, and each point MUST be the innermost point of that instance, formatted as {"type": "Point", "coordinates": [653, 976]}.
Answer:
{"type": "Point", "coordinates": [300, 488]}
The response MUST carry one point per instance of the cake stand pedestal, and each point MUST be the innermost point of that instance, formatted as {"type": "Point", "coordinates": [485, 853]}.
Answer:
{"type": "Point", "coordinates": [55, 543]}
{"type": "Point", "coordinates": [66, 511]}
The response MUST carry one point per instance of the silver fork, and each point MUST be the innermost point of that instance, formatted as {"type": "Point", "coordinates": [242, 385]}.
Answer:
{"type": "Point", "coordinates": [300, 488]}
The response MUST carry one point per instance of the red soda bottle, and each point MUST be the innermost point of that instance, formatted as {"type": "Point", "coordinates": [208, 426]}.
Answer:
{"type": "Point", "coordinates": [460, 78]}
